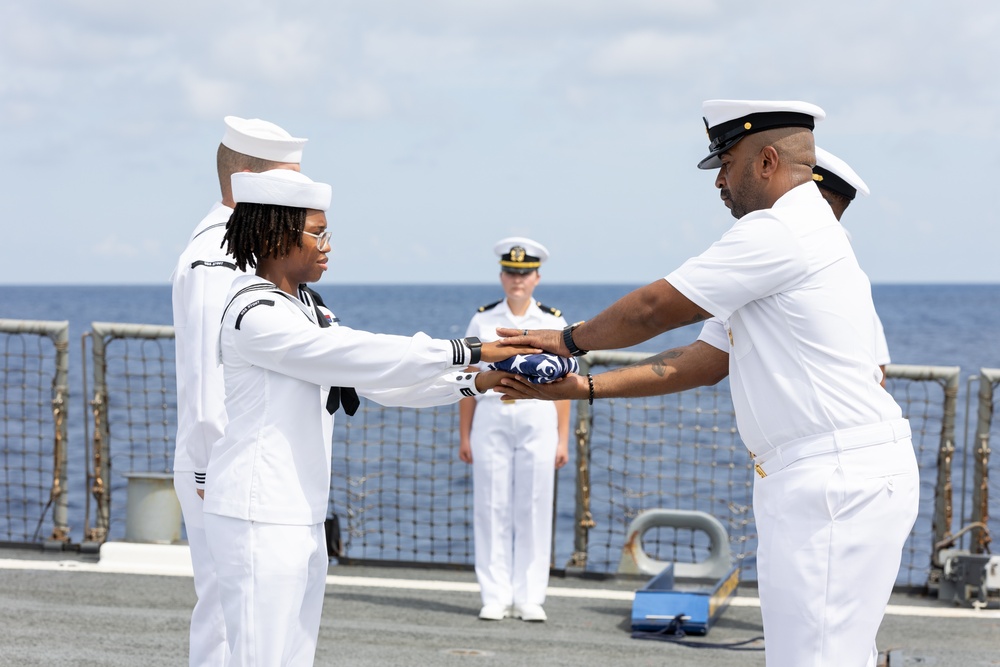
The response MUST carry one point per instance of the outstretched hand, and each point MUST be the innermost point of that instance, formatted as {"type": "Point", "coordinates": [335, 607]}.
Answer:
{"type": "Point", "coordinates": [490, 379]}
{"type": "Point", "coordinates": [571, 387]}
{"type": "Point", "coordinates": [548, 340]}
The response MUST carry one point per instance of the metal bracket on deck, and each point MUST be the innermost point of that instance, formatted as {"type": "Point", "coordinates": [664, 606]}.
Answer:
{"type": "Point", "coordinates": [636, 561]}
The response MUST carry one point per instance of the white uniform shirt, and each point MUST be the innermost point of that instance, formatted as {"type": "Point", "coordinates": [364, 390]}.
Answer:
{"type": "Point", "coordinates": [201, 281]}
{"type": "Point", "coordinates": [484, 326]}
{"type": "Point", "coordinates": [714, 333]}
{"type": "Point", "coordinates": [273, 463]}
{"type": "Point", "coordinates": [882, 357]}
{"type": "Point", "coordinates": [798, 322]}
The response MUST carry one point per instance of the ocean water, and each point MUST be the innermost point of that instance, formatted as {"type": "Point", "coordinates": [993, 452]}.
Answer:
{"type": "Point", "coordinates": [938, 325]}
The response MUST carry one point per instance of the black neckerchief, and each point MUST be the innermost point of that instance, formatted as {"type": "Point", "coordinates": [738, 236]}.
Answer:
{"type": "Point", "coordinates": [346, 396]}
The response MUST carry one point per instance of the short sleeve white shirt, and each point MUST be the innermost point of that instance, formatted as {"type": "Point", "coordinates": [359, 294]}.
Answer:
{"type": "Point", "coordinates": [796, 309]}
{"type": "Point", "coordinates": [882, 357]}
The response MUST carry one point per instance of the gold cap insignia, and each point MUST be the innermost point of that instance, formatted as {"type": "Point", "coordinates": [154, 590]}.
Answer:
{"type": "Point", "coordinates": [517, 254]}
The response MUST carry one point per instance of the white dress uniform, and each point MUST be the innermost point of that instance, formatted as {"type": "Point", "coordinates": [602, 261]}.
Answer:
{"type": "Point", "coordinates": [513, 471]}
{"type": "Point", "coordinates": [201, 280]}
{"type": "Point", "coordinates": [269, 477]}
{"type": "Point", "coordinates": [835, 175]}
{"type": "Point", "coordinates": [839, 493]}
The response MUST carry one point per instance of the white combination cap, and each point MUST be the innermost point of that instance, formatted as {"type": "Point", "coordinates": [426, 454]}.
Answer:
{"type": "Point", "coordinates": [261, 139]}
{"type": "Point", "coordinates": [519, 254]}
{"type": "Point", "coordinates": [282, 187]}
{"type": "Point", "coordinates": [837, 176]}
{"type": "Point", "coordinates": [728, 121]}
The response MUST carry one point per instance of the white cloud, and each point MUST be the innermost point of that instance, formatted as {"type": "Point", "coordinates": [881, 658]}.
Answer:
{"type": "Point", "coordinates": [650, 52]}
{"type": "Point", "coordinates": [210, 98]}
{"type": "Point", "coordinates": [411, 52]}
{"type": "Point", "coordinates": [496, 104]}
{"type": "Point", "coordinates": [40, 38]}
{"type": "Point", "coordinates": [579, 96]}
{"type": "Point", "coordinates": [528, 16]}
{"type": "Point", "coordinates": [361, 101]}
{"type": "Point", "coordinates": [281, 53]}
{"type": "Point", "coordinates": [114, 248]}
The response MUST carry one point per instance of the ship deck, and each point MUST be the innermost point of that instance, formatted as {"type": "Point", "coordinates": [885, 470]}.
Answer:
{"type": "Point", "coordinates": [131, 606]}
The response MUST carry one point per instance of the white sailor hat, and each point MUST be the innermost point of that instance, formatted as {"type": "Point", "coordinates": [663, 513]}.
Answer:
{"type": "Point", "coordinates": [282, 187]}
{"type": "Point", "coordinates": [837, 176]}
{"type": "Point", "coordinates": [728, 121]}
{"type": "Point", "coordinates": [261, 139]}
{"type": "Point", "coordinates": [519, 254]}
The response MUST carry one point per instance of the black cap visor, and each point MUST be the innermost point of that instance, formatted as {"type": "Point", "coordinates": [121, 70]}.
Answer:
{"type": "Point", "coordinates": [724, 136]}
{"type": "Point", "coordinates": [830, 181]}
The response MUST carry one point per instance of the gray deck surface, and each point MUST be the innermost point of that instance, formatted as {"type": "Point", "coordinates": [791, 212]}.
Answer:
{"type": "Point", "coordinates": [66, 617]}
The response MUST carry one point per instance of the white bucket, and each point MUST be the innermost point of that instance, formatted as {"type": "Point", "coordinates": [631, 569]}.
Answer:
{"type": "Point", "coordinates": [153, 513]}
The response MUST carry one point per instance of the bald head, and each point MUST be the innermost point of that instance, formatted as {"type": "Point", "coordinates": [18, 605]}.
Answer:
{"type": "Point", "coordinates": [763, 166]}
{"type": "Point", "coordinates": [229, 162]}
{"type": "Point", "coordinates": [795, 148]}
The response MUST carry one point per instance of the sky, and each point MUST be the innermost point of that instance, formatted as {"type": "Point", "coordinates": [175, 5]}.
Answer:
{"type": "Point", "coordinates": [445, 125]}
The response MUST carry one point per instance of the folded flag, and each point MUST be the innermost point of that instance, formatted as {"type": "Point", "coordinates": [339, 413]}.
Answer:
{"type": "Point", "coordinates": [538, 368]}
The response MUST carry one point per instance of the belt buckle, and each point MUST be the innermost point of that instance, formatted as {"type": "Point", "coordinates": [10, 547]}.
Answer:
{"type": "Point", "coordinates": [759, 470]}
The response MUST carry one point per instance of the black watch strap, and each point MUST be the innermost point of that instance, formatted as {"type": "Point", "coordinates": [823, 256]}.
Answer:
{"type": "Point", "coordinates": [475, 349]}
{"type": "Point", "coordinates": [568, 341]}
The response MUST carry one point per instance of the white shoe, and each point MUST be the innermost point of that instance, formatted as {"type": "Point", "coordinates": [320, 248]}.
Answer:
{"type": "Point", "coordinates": [530, 612]}
{"type": "Point", "coordinates": [494, 612]}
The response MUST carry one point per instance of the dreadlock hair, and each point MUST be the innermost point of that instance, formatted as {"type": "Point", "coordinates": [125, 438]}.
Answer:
{"type": "Point", "coordinates": [257, 231]}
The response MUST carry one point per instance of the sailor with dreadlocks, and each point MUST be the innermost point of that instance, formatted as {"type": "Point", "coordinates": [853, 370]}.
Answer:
{"type": "Point", "coordinates": [269, 477]}
{"type": "Point", "coordinates": [201, 280]}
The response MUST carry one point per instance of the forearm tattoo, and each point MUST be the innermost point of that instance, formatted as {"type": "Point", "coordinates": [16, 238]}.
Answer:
{"type": "Point", "coordinates": [697, 317]}
{"type": "Point", "coordinates": [657, 362]}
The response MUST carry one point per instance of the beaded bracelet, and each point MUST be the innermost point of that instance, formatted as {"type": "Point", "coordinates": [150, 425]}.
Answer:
{"type": "Point", "coordinates": [590, 382]}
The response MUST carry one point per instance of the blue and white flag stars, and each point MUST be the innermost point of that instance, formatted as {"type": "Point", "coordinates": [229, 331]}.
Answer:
{"type": "Point", "coordinates": [538, 368]}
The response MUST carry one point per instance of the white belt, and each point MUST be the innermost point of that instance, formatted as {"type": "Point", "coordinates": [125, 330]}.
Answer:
{"type": "Point", "coordinates": [837, 441]}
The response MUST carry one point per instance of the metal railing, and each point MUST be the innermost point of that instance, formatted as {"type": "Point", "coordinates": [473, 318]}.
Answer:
{"type": "Point", "coordinates": [33, 430]}
{"type": "Point", "coordinates": [134, 411]}
{"type": "Point", "coordinates": [928, 396]}
{"type": "Point", "coordinates": [680, 451]}
{"type": "Point", "coordinates": [688, 455]}
{"type": "Point", "coordinates": [985, 521]}
{"type": "Point", "coordinates": [403, 496]}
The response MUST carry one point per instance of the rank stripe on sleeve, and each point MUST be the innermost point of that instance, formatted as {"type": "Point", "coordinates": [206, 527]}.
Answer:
{"type": "Point", "coordinates": [457, 351]}
{"type": "Point", "coordinates": [249, 306]}
{"type": "Point", "coordinates": [222, 263]}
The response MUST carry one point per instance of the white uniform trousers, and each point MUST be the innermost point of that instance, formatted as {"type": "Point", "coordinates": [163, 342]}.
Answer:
{"type": "Point", "coordinates": [272, 580]}
{"type": "Point", "coordinates": [513, 471]}
{"type": "Point", "coordinates": [207, 641]}
{"type": "Point", "coordinates": [831, 530]}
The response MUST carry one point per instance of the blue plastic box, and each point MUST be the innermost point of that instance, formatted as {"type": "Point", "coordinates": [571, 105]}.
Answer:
{"type": "Point", "coordinates": [699, 601]}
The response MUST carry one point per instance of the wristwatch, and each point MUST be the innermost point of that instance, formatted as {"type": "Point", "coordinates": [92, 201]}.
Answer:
{"type": "Point", "coordinates": [475, 348]}
{"type": "Point", "coordinates": [568, 340]}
